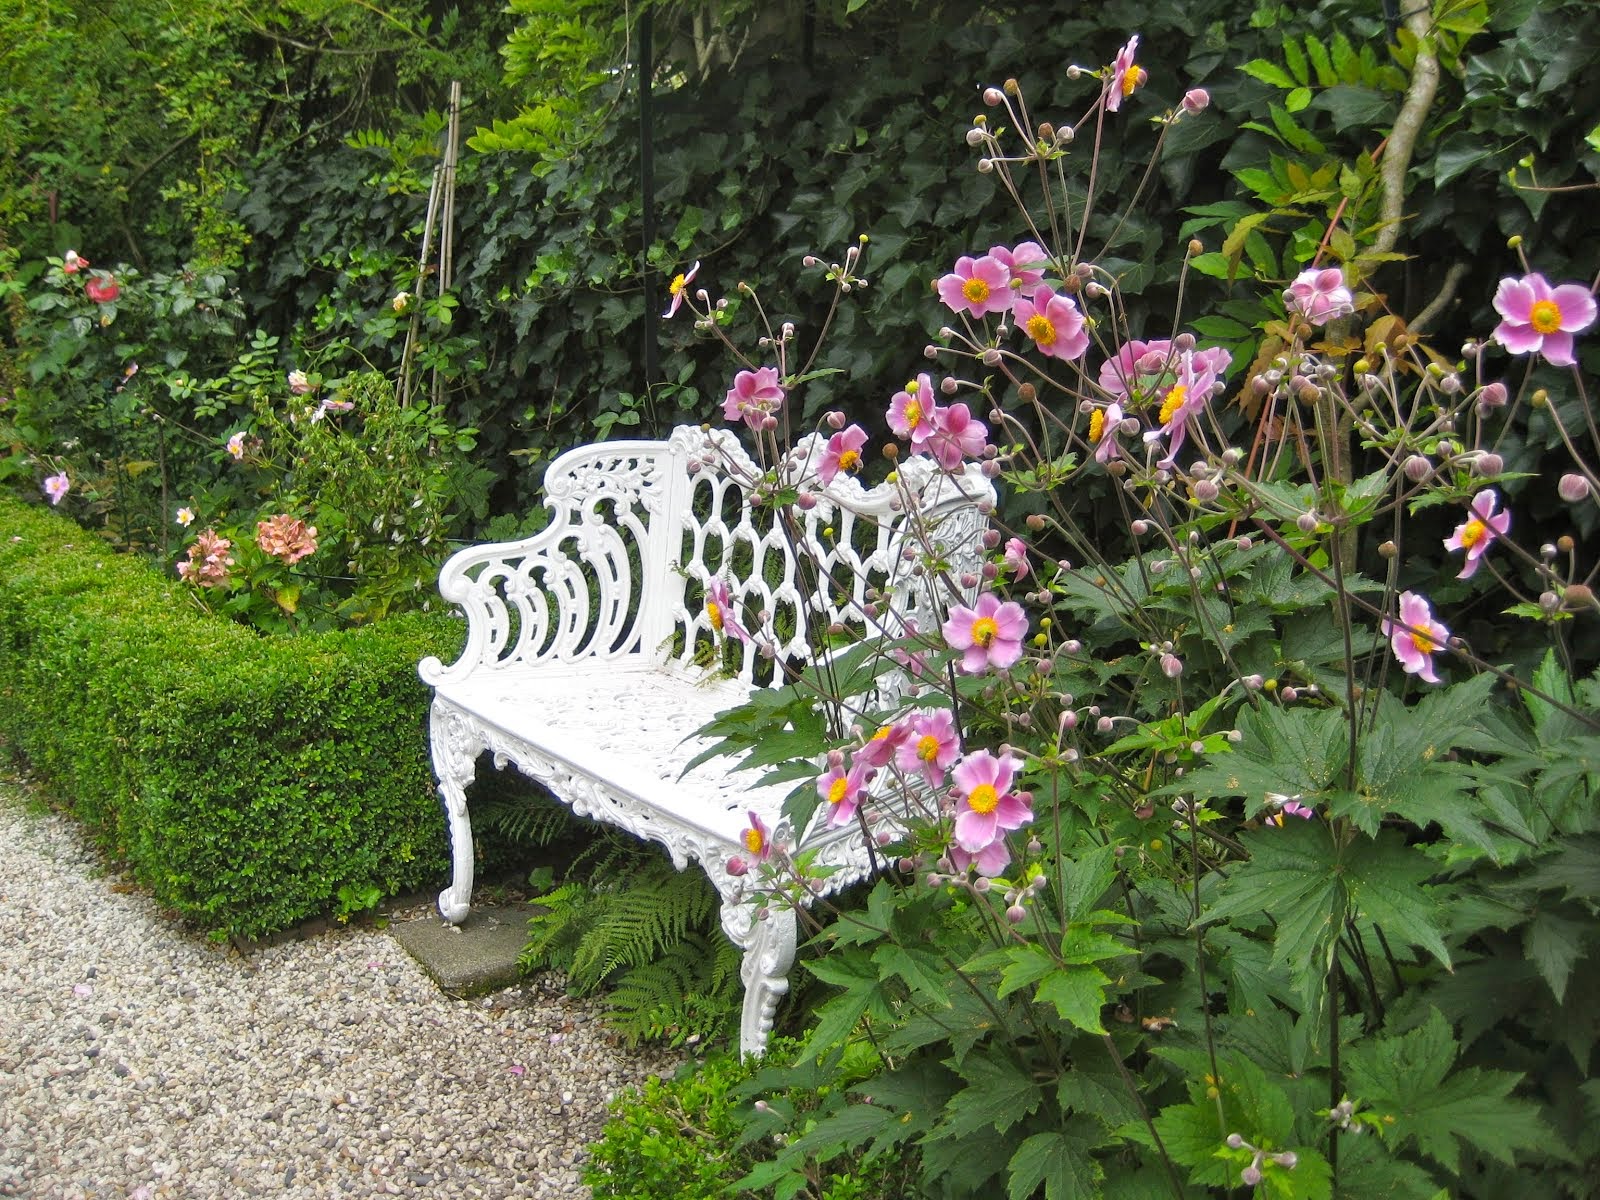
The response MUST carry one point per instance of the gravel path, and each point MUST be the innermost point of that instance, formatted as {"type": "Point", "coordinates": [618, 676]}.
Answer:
{"type": "Point", "coordinates": [137, 1061]}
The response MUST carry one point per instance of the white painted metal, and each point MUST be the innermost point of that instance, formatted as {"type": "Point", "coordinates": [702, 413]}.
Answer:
{"type": "Point", "coordinates": [586, 644]}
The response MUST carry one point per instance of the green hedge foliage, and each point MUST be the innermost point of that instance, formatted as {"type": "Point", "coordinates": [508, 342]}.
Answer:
{"type": "Point", "coordinates": [244, 780]}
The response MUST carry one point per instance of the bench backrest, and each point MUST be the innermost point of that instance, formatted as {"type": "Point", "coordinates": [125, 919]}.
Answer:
{"type": "Point", "coordinates": [640, 530]}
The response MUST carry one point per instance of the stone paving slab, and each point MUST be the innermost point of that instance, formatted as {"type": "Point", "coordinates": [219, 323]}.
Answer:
{"type": "Point", "coordinates": [477, 956]}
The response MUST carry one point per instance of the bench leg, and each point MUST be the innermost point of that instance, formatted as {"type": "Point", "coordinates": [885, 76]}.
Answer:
{"type": "Point", "coordinates": [455, 744]}
{"type": "Point", "coordinates": [768, 955]}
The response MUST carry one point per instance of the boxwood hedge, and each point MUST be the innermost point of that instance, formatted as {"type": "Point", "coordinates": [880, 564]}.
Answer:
{"type": "Point", "coordinates": [244, 780]}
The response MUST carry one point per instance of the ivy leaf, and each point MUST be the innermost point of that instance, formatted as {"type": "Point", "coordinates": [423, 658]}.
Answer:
{"type": "Point", "coordinates": [1409, 1079]}
{"type": "Point", "coordinates": [1059, 1160]}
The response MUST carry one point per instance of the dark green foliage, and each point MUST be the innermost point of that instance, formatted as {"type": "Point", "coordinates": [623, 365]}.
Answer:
{"type": "Point", "coordinates": [244, 780]}
{"type": "Point", "coordinates": [702, 1135]}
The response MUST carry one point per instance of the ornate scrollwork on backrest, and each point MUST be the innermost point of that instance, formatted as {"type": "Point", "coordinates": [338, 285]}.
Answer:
{"type": "Point", "coordinates": [577, 587]}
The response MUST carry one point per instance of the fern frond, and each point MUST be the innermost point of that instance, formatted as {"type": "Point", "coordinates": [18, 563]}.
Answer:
{"type": "Point", "coordinates": [636, 925]}
{"type": "Point", "coordinates": [692, 991]}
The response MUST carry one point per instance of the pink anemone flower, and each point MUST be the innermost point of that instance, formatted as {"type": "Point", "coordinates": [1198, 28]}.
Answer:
{"type": "Point", "coordinates": [842, 790]}
{"type": "Point", "coordinates": [1126, 75]}
{"type": "Point", "coordinates": [1054, 323]}
{"type": "Point", "coordinates": [1320, 296]}
{"type": "Point", "coordinates": [757, 838]}
{"type": "Point", "coordinates": [754, 396]}
{"type": "Point", "coordinates": [913, 409]}
{"type": "Point", "coordinates": [57, 486]}
{"type": "Point", "coordinates": [1136, 370]}
{"type": "Point", "coordinates": [881, 747]}
{"type": "Point", "coordinates": [1540, 319]}
{"type": "Point", "coordinates": [1185, 399]}
{"type": "Point", "coordinates": [988, 635]}
{"type": "Point", "coordinates": [679, 288]}
{"type": "Point", "coordinates": [1477, 533]}
{"type": "Point", "coordinates": [987, 806]}
{"type": "Point", "coordinates": [956, 435]}
{"type": "Point", "coordinates": [990, 861]}
{"type": "Point", "coordinates": [977, 287]}
{"type": "Point", "coordinates": [1024, 263]}
{"type": "Point", "coordinates": [930, 745]}
{"type": "Point", "coordinates": [1015, 557]}
{"type": "Point", "coordinates": [1103, 426]}
{"type": "Point", "coordinates": [722, 612]}
{"type": "Point", "coordinates": [843, 453]}
{"type": "Point", "coordinates": [1416, 637]}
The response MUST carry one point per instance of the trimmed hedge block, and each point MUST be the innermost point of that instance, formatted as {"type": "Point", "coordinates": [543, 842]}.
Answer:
{"type": "Point", "coordinates": [244, 780]}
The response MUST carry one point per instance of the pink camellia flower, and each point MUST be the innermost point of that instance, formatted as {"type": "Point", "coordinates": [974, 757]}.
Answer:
{"type": "Point", "coordinates": [1320, 296]}
{"type": "Point", "coordinates": [1540, 319]}
{"type": "Point", "coordinates": [236, 446]}
{"type": "Point", "coordinates": [1016, 558]}
{"type": "Point", "coordinates": [71, 263]}
{"type": "Point", "coordinates": [757, 838]}
{"type": "Point", "coordinates": [1054, 323]}
{"type": "Point", "coordinates": [286, 537]}
{"type": "Point", "coordinates": [881, 747]}
{"type": "Point", "coordinates": [1126, 76]}
{"type": "Point", "coordinates": [930, 745]}
{"type": "Point", "coordinates": [977, 287]}
{"type": "Point", "coordinates": [956, 435]}
{"type": "Point", "coordinates": [102, 289]}
{"type": "Point", "coordinates": [842, 790]}
{"type": "Point", "coordinates": [57, 486]}
{"type": "Point", "coordinates": [678, 288]}
{"type": "Point", "coordinates": [843, 453]}
{"type": "Point", "coordinates": [987, 807]}
{"type": "Point", "coordinates": [299, 385]}
{"type": "Point", "coordinates": [1024, 263]}
{"type": "Point", "coordinates": [1416, 637]}
{"type": "Point", "coordinates": [754, 396]}
{"type": "Point", "coordinates": [912, 411]}
{"type": "Point", "coordinates": [722, 612]}
{"type": "Point", "coordinates": [1477, 533]}
{"type": "Point", "coordinates": [1103, 426]}
{"type": "Point", "coordinates": [988, 635]}
{"type": "Point", "coordinates": [208, 561]}
{"type": "Point", "coordinates": [990, 861]}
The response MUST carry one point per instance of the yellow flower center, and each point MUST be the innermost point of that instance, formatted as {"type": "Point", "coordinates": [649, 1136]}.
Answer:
{"type": "Point", "coordinates": [984, 631]}
{"type": "Point", "coordinates": [1544, 316]}
{"type": "Point", "coordinates": [677, 285]}
{"type": "Point", "coordinates": [714, 611]}
{"type": "Point", "coordinates": [1097, 424]}
{"type": "Point", "coordinates": [975, 290]}
{"type": "Point", "coordinates": [1174, 401]}
{"type": "Point", "coordinates": [1471, 532]}
{"type": "Point", "coordinates": [913, 414]}
{"type": "Point", "coordinates": [839, 789]}
{"type": "Point", "coordinates": [1041, 329]}
{"type": "Point", "coordinates": [753, 841]}
{"type": "Point", "coordinates": [1424, 643]}
{"type": "Point", "coordinates": [1132, 78]}
{"type": "Point", "coordinates": [983, 798]}
{"type": "Point", "coordinates": [927, 747]}
{"type": "Point", "coordinates": [850, 460]}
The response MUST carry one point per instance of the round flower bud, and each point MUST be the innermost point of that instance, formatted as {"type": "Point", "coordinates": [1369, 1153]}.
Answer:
{"type": "Point", "coordinates": [1035, 522]}
{"type": "Point", "coordinates": [1573, 488]}
{"type": "Point", "coordinates": [1016, 914]}
{"type": "Point", "coordinates": [1579, 595]}
{"type": "Point", "coordinates": [1488, 464]}
{"type": "Point", "coordinates": [1102, 725]}
{"type": "Point", "coordinates": [1140, 527]}
{"type": "Point", "coordinates": [974, 137]}
{"type": "Point", "coordinates": [1234, 1141]}
{"type": "Point", "coordinates": [990, 357]}
{"type": "Point", "coordinates": [1549, 601]}
{"type": "Point", "coordinates": [1417, 468]}
{"type": "Point", "coordinates": [1289, 695]}
{"type": "Point", "coordinates": [1195, 100]}
{"type": "Point", "coordinates": [1307, 521]}
{"type": "Point", "coordinates": [1491, 395]}
{"type": "Point", "coordinates": [1388, 550]}
{"type": "Point", "coordinates": [1250, 1176]}
{"type": "Point", "coordinates": [982, 884]}
{"type": "Point", "coordinates": [835, 419]}
{"type": "Point", "coordinates": [1287, 1158]}
{"type": "Point", "coordinates": [1243, 542]}
{"type": "Point", "coordinates": [969, 580]}
{"type": "Point", "coordinates": [1206, 490]}
{"type": "Point", "coordinates": [992, 96]}
{"type": "Point", "coordinates": [806, 501]}
{"type": "Point", "coordinates": [1183, 343]}
{"type": "Point", "coordinates": [1196, 247]}
{"type": "Point", "coordinates": [1565, 544]}
{"type": "Point", "coordinates": [948, 385]}
{"type": "Point", "coordinates": [1171, 666]}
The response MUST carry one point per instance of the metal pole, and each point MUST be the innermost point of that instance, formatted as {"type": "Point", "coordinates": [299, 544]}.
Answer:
{"type": "Point", "coordinates": [647, 190]}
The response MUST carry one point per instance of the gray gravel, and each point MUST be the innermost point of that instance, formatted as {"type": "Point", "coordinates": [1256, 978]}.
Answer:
{"type": "Point", "coordinates": [139, 1061]}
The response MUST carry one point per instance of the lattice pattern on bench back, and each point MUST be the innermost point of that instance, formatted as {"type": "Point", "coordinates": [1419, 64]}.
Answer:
{"type": "Point", "coordinates": [792, 576]}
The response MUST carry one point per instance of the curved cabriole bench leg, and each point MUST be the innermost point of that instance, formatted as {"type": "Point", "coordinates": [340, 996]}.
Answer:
{"type": "Point", "coordinates": [456, 743]}
{"type": "Point", "coordinates": [768, 954]}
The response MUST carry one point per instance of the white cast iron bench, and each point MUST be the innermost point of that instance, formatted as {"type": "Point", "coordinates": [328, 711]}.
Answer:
{"type": "Point", "coordinates": [580, 666]}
